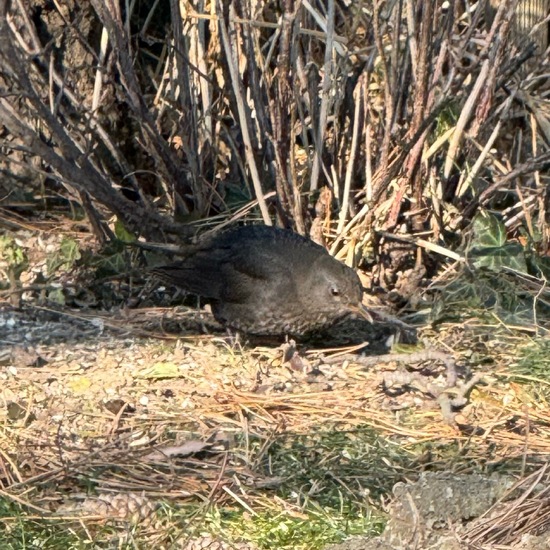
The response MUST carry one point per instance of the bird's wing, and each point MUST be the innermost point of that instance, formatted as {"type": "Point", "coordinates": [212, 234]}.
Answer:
{"type": "Point", "coordinates": [195, 277]}
{"type": "Point", "coordinates": [248, 272]}
{"type": "Point", "coordinates": [227, 274]}
{"type": "Point", "coordinates": [242, 263]}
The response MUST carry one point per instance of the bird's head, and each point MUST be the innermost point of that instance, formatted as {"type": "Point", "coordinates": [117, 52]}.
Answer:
{"type": "Point", "coordinates": [335, 289]}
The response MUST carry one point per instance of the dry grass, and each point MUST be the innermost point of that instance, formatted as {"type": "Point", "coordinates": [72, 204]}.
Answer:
{"type": "Point", "coordinates": [382, 132]}
{"type": "Point", "coordinates": [197, 420]}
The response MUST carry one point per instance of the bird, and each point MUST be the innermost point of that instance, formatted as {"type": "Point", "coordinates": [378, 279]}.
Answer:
{"type": "Point", "coordinates": [266, 281]}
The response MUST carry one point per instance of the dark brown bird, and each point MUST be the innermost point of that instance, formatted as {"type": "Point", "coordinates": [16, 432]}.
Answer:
{"type": "Point", "coordinates": [267, 281]}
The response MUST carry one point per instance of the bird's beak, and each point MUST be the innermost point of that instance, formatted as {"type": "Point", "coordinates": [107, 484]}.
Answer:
{"type": "Point", "coordinates": [363, 312]}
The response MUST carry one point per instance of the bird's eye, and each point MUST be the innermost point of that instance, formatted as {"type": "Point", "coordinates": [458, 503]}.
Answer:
{"type": "Point", "coordinates": [334, 291]}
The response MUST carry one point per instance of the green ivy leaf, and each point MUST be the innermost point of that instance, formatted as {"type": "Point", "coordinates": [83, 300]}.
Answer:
{"type": "Point", "coordinates": [543, 264]}
{"type": "Point", "coordinates": [11, 252]}
{"type": "Point", "coordinates": [57, 296]}
{"type": "Point", "coordinates": [489, 232]}
{"type": "Point", "coordinates": [510, 255]}
{"type": "Point", "coordinates": [65, 257]}
{"type": "Point", "coordinates": [489, 248]}
{"type": "Point", "coordinates": [122, 233]}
